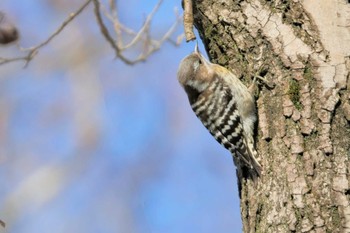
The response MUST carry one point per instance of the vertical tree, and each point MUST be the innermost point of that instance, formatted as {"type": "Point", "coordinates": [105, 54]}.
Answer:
{"type": "Point", "coordinates": [303, 137]}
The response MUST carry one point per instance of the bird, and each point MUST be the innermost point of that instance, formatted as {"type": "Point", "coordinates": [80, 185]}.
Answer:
{"type": "Point", "coordinates": [225, 106]}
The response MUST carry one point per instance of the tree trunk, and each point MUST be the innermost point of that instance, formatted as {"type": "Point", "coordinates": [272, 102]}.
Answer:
{"type": "Point", "coordinates": [303, 136]}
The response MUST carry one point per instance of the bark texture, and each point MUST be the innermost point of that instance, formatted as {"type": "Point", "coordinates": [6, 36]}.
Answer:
{"type": "Point", "coordinates": [303, 137]}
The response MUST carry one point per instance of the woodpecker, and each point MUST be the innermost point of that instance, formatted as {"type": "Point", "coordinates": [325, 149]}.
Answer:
{"type": "Point", "coordinates": [225, 106]}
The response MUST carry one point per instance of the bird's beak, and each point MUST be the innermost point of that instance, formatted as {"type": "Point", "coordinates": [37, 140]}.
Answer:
{"type": "Point", "coordinates": [201, 57]}
{"type": "Point", "coordinates": [196, 48]}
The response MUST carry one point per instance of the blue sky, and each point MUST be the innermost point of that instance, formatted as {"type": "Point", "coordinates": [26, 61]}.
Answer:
{"type": "Point", "coordinates": [89, 144]}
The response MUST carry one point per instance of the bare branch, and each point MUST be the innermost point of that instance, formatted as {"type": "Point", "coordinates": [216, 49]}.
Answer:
{"type": "Point", "coordinates": [157, 44]}
{"type": "Point", "coordinates": [32, 51]}
{"type": "Point", "coordinates": [145, 27]}
{"type": "Point", "coordinates": [117, 28]}
{"type": "Point", "coordinates": [107, 35]}
{"type": "Point", "coordinates": [142, 36]}
{"type": "Point", "coordinates": [64, 24]}
{"type": "Point", "coordinates": [119, 46]}
{"type": "Point", "coordinates": [188, 20]}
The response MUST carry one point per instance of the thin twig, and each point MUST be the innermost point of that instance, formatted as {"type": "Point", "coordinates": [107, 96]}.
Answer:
{"type": "Point", "coordinates": [63, 25]}
{"type": "Point", "coordinates": [107, 35]}
{"type": "Point", "coordinates": [157, 44]}
{"type": "Point", "coordinates": [32, 51]}
{"type": "Point", "coordinates": [117, 28]}
{"type": "Point", "coordinates": [145, 26]}
{"type": "Point", "coordinates": [143, 36]}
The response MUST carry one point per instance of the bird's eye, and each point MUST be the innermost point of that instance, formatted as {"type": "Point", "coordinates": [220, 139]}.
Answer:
{"type": "Point", "coordinates": [200, 61]}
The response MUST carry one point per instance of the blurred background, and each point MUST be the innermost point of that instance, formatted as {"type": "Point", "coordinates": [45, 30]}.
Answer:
{"type": "Point", "coordinates": [89, 144]}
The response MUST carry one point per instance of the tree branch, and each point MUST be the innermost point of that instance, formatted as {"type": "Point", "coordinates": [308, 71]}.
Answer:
{"type": "Point", "coordinates": [142, 36]}
{"type": "Point", "coordinates": [119, 46]}
{"type": "Point", "coordinates": [188, 20]}
{"type": "Point", "coordinates": [32, 51]}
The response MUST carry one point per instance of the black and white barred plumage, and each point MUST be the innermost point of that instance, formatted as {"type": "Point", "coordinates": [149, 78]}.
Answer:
{"type": "Point", "coordinates": [224, 105]}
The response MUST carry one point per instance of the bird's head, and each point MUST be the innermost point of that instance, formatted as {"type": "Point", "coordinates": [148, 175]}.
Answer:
{"type": "Point", "coordinates": [195, 70]}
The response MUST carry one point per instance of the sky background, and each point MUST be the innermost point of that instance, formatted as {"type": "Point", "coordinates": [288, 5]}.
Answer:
{"type": "Point", "coordinates": [89, 144]}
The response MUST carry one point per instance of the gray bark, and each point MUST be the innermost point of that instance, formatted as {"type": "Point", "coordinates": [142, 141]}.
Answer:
{"type": "Point", "coordinates": [303, 136]}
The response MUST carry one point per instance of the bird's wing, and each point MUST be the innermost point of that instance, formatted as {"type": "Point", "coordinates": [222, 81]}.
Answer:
{"type": "Point", "coordinates": [217, 109]}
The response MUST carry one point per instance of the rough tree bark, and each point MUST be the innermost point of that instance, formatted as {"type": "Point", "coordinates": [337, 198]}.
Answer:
{"type": "Point", "coordinates": [303, 136]}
